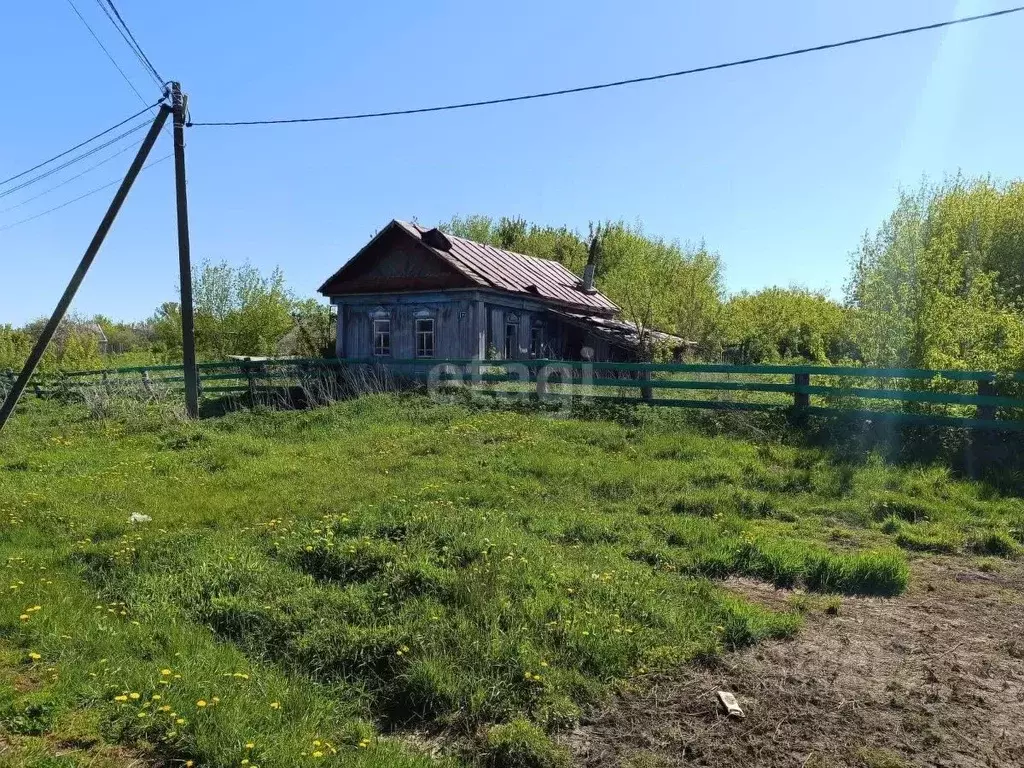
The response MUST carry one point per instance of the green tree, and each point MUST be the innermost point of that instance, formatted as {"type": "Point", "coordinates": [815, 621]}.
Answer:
{"type": "Point", "coordinates": [777, 324]}
{"type": "Point", "coordinates": [941, 284]}
{"type": "Point", "coordinates": [238, 310]}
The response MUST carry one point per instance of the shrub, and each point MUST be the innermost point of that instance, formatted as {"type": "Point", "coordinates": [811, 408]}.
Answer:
{"type": "Point", "coordinates": [521, 744]}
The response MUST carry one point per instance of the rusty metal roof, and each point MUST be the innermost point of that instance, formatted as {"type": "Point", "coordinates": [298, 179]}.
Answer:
{"type": "Point", "coordinates": [515, 272]}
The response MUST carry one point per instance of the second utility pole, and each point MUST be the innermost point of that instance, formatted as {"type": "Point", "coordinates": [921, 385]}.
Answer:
{"type": "Point", "coordinates": [188, 337]}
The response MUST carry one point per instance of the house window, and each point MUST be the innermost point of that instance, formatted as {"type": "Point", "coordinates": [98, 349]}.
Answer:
{"type": "Point", "coordinates": [425, 337]}
{"type": "Point", "coordinates": [511, 339]}
{"type": "Point", "coordinates": [537, 340]}
{"type": "Point", "coordinates": [381, 338]}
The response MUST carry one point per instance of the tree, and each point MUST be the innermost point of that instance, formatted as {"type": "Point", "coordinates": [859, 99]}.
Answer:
{"type": "Point", "coordinates": [642, 277]}
{"type": "Point", "coordinates": [238, 310]}
{"type": "Point", "coordinates": [941, 284]}
{"type": "Point", "coordinates": [777, 324]}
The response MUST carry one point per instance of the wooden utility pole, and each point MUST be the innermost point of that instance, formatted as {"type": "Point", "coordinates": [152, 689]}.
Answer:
{"type": "Point", "coordinates": [188, 334]}
{"type": "Point", "coordinates": [83, 267]}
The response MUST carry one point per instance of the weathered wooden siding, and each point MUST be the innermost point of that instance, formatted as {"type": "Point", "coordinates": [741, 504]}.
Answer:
{"type": "Point", "coordinates": [453, 328]}
{"type": "Point", "coordinates": [466, 325]}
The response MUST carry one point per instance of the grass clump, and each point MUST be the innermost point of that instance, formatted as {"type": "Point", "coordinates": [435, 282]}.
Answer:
{"type": "Point", "coordinates": [521, 744]}
{"type": "Point", "coordinates": [996, 543]}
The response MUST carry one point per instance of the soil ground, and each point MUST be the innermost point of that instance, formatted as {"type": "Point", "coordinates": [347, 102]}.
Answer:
{"type": "Point", "coordinates": [933, 678]}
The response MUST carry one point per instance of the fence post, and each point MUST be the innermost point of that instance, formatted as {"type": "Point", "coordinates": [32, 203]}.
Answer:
{"type": "Point", "coordinates": [542, 381]}
{"type": "Point", "coordinates": [801, 400]}
{"type": "Point", "coordinates": [646, 392]}
{"type": "Point", "coordinates": [247, 367]}
{"type": "Point", "coordinates": [986, 388]}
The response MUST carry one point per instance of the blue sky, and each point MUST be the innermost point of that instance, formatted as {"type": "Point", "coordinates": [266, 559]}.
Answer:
{"type": "Point", "coordinates": [780, 167]}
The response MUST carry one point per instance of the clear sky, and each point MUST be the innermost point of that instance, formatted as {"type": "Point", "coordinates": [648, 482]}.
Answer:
{"type": "Point", "coordinates": [780, 167]}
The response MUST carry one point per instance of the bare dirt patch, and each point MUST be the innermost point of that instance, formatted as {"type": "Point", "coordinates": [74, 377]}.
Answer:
{"type": "Point", "coordinates": [933, 678]}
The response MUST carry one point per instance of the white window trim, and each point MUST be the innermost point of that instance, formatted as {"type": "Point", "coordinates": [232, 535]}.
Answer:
{"type": "Point", "coordinates": [374, 322]}
{"type": "Point", "coordinates": [432, 332]}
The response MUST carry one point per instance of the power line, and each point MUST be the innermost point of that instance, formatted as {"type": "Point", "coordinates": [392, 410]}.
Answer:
{"type": "Point", "coordinates": [71, 178]}
{"type": "Point", "coordinates": [127, 29]}
{"type": "Point", "coordinates": [72, 161]}
{"type": "Point", "coordinates": [619, 83]}
{"type": "Point", "coordinates": [130, 41]}
{"type": "Point", "coordinates": [80, 197]}
{"type": "Point", "coordinates": [79, 145]}
{"type": "Point", "coordinates": [104, 49]}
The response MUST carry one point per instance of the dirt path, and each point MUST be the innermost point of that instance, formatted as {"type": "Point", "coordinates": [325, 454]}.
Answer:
{"type": "Point", "coordinates": [934, 678]}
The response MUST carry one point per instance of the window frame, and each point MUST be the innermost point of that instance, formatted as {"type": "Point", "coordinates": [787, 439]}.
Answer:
{"type": "Point", "coordinates": [425, 334]}
{"type": "Point", "coordinates": [381, 350]}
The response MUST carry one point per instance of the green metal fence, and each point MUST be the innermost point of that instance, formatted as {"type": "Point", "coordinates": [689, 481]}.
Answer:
{"type": "Point", "coordinates": [970, 399]}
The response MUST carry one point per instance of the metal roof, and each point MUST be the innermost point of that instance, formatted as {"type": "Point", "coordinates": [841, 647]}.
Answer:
{"type": "Point", "coordinates": [621, 332]}
{"type": "Point", "coordinates": [515, 272]}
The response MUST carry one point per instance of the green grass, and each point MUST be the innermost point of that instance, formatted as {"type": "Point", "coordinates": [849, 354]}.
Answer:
{"type": "Point", "coordinates": [328, 581]}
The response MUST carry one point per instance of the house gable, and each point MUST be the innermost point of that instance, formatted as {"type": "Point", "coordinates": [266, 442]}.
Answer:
{"type": "Point", "coordinates": [392, 262]}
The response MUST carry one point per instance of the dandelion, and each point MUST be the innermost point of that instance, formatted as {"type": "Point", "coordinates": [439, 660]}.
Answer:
{"type": "Point", "coordinates": [134, 696]}
{"type": "Point", "coordinates": [120, 698]}
{"type": "Point", "coordinates": [275, 705]}
{"type": "Point", "coordinates": [250, 745]}
{"type": "Point", "coordinates": [24, 617]}
{"type": "Point", "coordinates": [165, 672]}
{"type": "Point", "coordinates": [180, 721]}
{"type": "Point", "coordinates": [34, 656]}
{"type": "Point", "coordinates": [201, 703]}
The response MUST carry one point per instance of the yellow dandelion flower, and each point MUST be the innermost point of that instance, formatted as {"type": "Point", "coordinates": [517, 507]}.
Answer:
{"type": "Point", "coordinates": [180, 721]}
{"type": "Point", "coordinates": [34, 656]}
{"type": "Point", "coordinates": [201, 703]}
{"type": "Point", "coordinates": [275, 705]}
{"type": "Point", "coordinates": [250, 745]}
{"type": "Point", "coordinates": [134, 696]}
{"type": "Point", "coordinates": [165, 672]}
{"type": "Point", "coordinates": [24, 617]}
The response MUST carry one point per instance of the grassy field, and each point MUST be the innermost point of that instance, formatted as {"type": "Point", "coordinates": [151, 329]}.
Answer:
{"type": "Point", "coordinates": [351, 585]}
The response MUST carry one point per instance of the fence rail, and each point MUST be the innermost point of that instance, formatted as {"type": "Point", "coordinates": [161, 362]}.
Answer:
{"type": "Point", "coordinates": [969, 399]}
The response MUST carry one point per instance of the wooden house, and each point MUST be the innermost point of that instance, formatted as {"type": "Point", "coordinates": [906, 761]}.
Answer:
{"type": "Point", "coordinates": [413, 292]}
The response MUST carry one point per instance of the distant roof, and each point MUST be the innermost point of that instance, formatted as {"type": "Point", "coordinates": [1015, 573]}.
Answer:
{"type": "Point", "coordinates": [503, 270]}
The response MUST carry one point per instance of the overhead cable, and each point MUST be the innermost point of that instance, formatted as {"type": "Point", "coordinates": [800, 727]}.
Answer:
{"type": "Point", "coordinates": [618, 83]}
{"type": "Point", "coordinates": [80, 197]}
{"type": "Point", "coordinates": [79, 145]}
